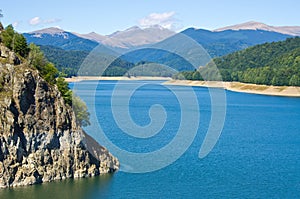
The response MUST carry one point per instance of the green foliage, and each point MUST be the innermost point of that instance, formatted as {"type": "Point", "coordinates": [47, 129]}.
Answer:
{"type": "Point", "coordinates": [69, 62]}
{"type": "Point", "coordinates": [270, 64]}
{"type": "Point", "coordinates": [295, 80]}
{"type": "Point", "coordinates": [49, 72]}
{"type": "Point", "coordinates": [63, 87]}
{"type": "Point", "coordinates": [115, 71]}
{"type": "Point", "coordinates": [66, 61]}
{"type": "Point", "coordinates": [36, 57]}
{"type": "Point", "coordinates": [20, 45]}
{"type": "Point", "coordinates": [81, 111]}
{"type": "Point", "coordinates": [79, 107]}
{"type": "Point", "coordinates": [14, 41]}
{"type": "Point", "coordinates": [7, 36]}
{"type": "Point", "coordinates": [37, 60]}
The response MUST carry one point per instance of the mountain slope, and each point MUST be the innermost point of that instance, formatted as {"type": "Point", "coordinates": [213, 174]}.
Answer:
{"type": "Point", "coordinates": [215, 43]}
{"type": "Point", "coordinates": [252, 25]}
{"type": "Point", "coordinates": [276, 63]}
{"type": "Point", "coordinates": [60, 38]}
{"type": "Point", "coordinates": [228, 41]}
{"type": "Point", "coordinates": [131, 37]}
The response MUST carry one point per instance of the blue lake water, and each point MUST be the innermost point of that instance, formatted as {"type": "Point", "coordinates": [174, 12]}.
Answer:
{"type": "Point", "coordinates": [256, 156]}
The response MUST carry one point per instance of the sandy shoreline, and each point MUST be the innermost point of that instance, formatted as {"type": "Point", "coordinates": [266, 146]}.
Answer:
{"type": "Point", "coordinates": [86, 78]}
{"type": "Point", "coordinates": [286, 91]}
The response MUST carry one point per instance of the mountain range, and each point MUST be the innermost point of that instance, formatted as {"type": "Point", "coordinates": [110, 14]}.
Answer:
{"type": "Point", "coordinates": [137, 44]}
{"type": "Point", "coordinates": [131, 37]}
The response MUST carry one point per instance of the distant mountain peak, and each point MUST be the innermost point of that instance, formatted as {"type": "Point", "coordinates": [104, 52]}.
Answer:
{"type": "Point", "coordinates": [253, 25]}
{"type": "Point", "coordinates": [92, 36]}
{"type": "Point", "coordinates": [51, 30]}
{"type": "Point", "coordinates": [137, 36]}
{"type": "Point", "coordinates": [250, 25]}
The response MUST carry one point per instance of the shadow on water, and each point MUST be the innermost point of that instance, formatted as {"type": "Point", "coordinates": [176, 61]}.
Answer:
{"type": "Point", "coordinates": [74, 189]}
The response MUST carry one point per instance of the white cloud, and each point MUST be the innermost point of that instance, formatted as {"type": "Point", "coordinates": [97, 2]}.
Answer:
{"type": "Point", "coordinates": [38, 21]}
{"type": "Point", "coordinates": [35, 21]}
{"type": "Point", "coordinates": [166, 20]}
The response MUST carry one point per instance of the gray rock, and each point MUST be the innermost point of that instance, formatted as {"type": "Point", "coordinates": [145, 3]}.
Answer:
{"type": "Point", "coordinates": [39, 138]}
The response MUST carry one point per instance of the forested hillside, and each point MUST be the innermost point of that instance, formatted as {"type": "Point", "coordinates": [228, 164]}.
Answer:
{"type": "Point", "coordinates": [276, 63]}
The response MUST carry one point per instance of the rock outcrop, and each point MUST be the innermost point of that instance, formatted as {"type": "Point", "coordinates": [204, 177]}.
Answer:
{"type": "Point", "coordinates": [39, 138]}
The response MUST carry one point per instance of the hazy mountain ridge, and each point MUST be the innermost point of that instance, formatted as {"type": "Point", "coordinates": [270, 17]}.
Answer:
{"type": "Point", "coordinates": [131, 37]}
{"type": "Point", "coordinates": [252, 25]}
{"type": "Point", "coordinates": [60, 38]}
{"type": "Point", "coordinates": [228, 41]}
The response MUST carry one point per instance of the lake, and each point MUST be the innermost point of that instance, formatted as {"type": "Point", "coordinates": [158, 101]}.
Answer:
{"type": "Point", "coordinates": [256, 156]}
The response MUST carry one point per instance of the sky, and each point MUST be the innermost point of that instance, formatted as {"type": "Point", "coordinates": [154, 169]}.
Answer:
{"type": "Point", "coordinates": [106, 17]}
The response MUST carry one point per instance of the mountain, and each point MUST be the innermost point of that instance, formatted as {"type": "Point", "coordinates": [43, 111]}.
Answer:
{"type": "Point", "coordinates": [214, 43]}
{"type": "Point", "coordinates": [252, 25]}
{"type": "Point", "coordinates": [60, 38]}
{"type": "Point", "coordinates": [276, 63]}
{"type": "Point", "coordinates": [131, 37]}
{"type": "Point", "coordinates": [92, 36]}
{"type": "Point", "coordinates": [219, 43]}
{"type": "Point", "coordinates": [147, 45]}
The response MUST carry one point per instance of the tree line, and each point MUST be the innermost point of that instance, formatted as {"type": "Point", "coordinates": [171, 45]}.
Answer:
{"type": "Point", "coordinates": [276, 63]}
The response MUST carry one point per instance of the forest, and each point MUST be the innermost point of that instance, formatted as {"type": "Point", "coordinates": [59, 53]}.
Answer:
{"type": "Point", "coordinates": [276, 63]}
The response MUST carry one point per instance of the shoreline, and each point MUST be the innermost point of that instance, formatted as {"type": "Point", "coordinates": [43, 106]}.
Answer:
{"type": "Point", "coordinates": [283, 91]}
{"type": "Point", "coordinates": [90, 78]}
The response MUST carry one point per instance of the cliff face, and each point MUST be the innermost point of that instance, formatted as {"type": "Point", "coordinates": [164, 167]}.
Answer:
{"type": "Point", "coordinates": [39, 138]}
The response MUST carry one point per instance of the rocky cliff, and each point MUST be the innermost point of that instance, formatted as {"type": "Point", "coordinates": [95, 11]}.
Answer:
{"type": "Point", "coordinates": [39, 138]}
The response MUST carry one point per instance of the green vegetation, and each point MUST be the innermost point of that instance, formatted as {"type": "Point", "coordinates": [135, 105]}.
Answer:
{"type": "Point", "coordinates": [81, 111]}
{"type": "Point", "coordinates": [276, 63]}
{"type": "Point", "coordinates": [69, 62]}
{"type": "Point", "coordinates": [66, 61]}
{"type": "Point", "coordinates": [151, 69]}
{"type": "Point", "coordinates": [63, 87]}
{"type": "Point", "coordinates": [35, 58]}
{"type": "Point", "coordinates": [14, 41]}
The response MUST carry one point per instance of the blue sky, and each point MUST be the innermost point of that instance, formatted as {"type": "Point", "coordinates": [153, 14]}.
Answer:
{"type": "Point", "coordinates": [105, 17]}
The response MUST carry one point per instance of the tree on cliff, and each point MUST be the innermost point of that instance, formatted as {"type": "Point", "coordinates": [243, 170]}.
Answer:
{"type": "Point", "coordinates": [81, 111]}
{"type": "Point", "coordinates": [15, 41]}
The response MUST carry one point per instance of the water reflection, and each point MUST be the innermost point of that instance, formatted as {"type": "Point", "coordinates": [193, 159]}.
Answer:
{"type": "Point", "coordinates": [73, 189]}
